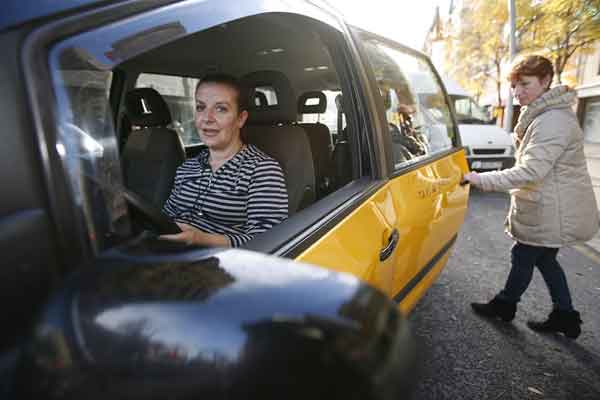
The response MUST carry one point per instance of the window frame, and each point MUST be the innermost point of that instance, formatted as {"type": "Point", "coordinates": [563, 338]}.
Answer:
{"type": "Point", "coordinates": [43, 46]}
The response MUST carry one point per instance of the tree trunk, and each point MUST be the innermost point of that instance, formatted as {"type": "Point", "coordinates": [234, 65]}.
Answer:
{"type": "Point", "coordinates": [558, 64]}
{"type": "Point", "coordinates": [557, 70]}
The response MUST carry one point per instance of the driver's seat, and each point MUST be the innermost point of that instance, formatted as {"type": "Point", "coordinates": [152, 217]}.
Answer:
{"type": "Point", "coordinates": [152, 151]}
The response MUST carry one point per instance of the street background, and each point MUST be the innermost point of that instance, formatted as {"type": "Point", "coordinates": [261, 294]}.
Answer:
{"type": "Point", "coordinates": [592, 155]}
{"type": "Point", "coordinates": [465, 356]}
{"type": "Point", "coordinates": [468, 41]}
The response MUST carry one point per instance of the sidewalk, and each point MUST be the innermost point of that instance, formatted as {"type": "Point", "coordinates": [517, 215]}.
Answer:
{"type": "Point", "coordinates": [592, 155]}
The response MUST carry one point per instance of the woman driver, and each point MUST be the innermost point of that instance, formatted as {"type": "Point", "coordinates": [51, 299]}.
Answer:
{"type": "Point", "coordinates": [231, 191]}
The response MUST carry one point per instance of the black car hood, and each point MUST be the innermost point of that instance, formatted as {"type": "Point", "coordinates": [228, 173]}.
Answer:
{"type": "Point", "coordinates": [223, 324]}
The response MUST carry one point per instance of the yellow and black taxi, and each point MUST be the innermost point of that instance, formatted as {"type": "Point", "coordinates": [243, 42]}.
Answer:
{"type": "Point", "coordinates": [96, 306]}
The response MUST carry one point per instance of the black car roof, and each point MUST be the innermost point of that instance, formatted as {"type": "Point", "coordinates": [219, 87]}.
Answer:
{"type": "Point", "coordinates": [17, 12]}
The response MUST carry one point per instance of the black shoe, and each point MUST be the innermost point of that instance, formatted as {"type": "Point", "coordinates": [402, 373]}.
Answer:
{"type": "Point", "coordinates": [496, 308]}
{"type": "Point", "coordinates": [567, 322]}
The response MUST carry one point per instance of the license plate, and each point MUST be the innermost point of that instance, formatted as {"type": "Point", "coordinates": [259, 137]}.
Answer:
{"type": "Point", "coordinates": [486, 164]}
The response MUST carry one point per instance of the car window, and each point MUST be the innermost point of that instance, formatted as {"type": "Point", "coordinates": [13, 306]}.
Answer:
{"type": "Point", "coordinates": [416, 110]}
{"type": "Point", "coordinates": [178, 92]}
{"type": "Point", "coordinates": [307, 60]}
{"type": "Point", "coordinates": [329, 117]}
{"type": "Point", "coordinates": [265, 96]}
{"type": "Point", "coordinates": [591, 123]}
{"type": "Point", "coordinates": [468, 112]}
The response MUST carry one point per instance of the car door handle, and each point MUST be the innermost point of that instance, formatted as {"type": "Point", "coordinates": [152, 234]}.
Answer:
{"type": "Point", "coordinates": [391, 245]}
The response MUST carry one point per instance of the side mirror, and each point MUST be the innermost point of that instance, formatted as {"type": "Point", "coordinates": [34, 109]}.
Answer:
{"type": "Point", "coordinates": [217, 324]}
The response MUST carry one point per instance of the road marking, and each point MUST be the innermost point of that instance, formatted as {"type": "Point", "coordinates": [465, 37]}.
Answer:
{"type": "Point", "coordinates": [589, 253]}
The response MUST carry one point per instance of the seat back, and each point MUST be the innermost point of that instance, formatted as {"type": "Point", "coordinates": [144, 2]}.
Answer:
{"type": "Point", "coordinates": [271, 127]}
{"type": "Point", "coordinates": [315, 102]}
{"type": "Point", "coordinates": [152, 151]}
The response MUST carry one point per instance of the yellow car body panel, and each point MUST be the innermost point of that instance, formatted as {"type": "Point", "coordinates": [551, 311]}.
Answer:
{"type": "Point", "coordinates": [426, 206]}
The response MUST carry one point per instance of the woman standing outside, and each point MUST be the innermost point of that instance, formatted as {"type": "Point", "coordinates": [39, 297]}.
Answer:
{"type": "Point", "coordinates": [552, 201]}
{"type": "Point", "coordinates": [231, 191]}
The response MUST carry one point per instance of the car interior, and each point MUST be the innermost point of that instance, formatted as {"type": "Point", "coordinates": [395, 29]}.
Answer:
{"type": "Point", "coordinates": [295, 115]}
{"type": "Point", "coordinates": [304, 112]}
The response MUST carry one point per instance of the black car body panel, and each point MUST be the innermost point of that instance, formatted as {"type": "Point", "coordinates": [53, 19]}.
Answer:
{"type": "Point", "coordinates": [226, 324]}
{"type": "Point", "coordinates": [17, 12]}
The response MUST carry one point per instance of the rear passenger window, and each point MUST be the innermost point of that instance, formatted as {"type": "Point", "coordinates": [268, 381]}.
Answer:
{"type": "Point", "coordinates": [178, 93]}
{"type": "Point", "coordinates": [265, 96]}
{"type": "Point", "coordinates": [417, 113]}
{"type": "Point", "coordinates": [330, 114]}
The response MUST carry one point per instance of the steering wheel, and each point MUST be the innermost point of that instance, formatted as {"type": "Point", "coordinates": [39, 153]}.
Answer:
{"type": "Point", "coordinates": [151, 217]}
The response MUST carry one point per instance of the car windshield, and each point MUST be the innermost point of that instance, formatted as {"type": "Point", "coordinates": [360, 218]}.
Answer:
{"type": "Point", "coordinates": [468, 112]}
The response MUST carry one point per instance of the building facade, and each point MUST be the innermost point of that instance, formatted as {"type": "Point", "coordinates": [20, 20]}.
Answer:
{"type": "Point", "coordinates": [588, 93]}
{"type": "Point", "coordinates": [588, 110]}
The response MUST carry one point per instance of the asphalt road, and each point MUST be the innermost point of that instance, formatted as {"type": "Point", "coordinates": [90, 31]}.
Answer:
{"type": "Point", "coordinates": [468, 357]}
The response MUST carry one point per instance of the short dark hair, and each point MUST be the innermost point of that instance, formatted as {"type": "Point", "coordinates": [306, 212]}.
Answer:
{"type": "Point", "coordinates": [533, 65]}
{"type": "Point", "coordinates": [232, 82]}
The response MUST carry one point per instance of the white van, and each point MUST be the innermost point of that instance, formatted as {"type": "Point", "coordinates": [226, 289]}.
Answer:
{"type": "Point", "coordinates": [488, 146]}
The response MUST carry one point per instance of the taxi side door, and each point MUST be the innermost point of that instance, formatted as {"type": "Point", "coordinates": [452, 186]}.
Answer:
{"type": "Point", "coordinates": [398, 238]}
{"type": "Point", "coordinates": [426, 163]}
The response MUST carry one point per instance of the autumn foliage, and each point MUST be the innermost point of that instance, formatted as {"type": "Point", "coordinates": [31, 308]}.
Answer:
{"type": "Point", "coordinates": [477, 37]}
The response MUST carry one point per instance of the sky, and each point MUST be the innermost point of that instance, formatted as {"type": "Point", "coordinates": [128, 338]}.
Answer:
{"type": "Point", "coordinates": [406, 21]}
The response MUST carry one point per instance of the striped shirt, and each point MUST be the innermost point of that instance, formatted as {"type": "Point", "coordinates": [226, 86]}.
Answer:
{"type": "Point", "coordinates": [245, 196]}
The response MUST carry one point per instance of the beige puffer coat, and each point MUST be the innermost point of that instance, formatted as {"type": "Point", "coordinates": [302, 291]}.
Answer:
{"type": "Point", "coordinates": [552, 201]}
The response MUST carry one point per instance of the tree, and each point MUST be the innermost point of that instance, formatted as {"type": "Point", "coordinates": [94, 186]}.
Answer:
{"type": "Point", "coordinates": [468, 58]}
{"type": "Point", "coordinates": [559, 28]}
{"type": "Point", "coordinates": [477, 44]}
{"type": "Point", "coordinates": [477, 47]}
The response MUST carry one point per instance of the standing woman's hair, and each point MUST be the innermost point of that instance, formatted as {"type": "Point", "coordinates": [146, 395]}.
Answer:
{"type": "Point", "coordinates": [537, 66]}
{"type": "Point", "coordinates": [234, 83]}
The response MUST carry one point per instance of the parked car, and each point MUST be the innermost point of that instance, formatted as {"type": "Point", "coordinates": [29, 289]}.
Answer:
{"type": "Point", "coordinates": [97, 307]}
{"type": "Point", "coordinates": [489, 147]}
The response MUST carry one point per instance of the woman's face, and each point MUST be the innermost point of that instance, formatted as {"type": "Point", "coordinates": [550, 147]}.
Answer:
{"type": "Point", "coordinates": [218, 119]}
{"type": "Point", "coordinates": [527, 88]}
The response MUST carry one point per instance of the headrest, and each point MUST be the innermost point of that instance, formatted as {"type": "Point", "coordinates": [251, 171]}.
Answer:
{"type": "Point", "coordinates": [285, 109]}
{"type": "Point", "coordinates": [319, 108]}
{"type": "Point", "coordinates": [146, 107]}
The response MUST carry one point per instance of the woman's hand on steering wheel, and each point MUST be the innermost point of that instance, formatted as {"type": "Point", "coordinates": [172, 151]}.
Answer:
{"type": "Point", "coordinates": [188, 235]}
{"type": "Point", "coordinates": [150, 216]}
{"type": "Point", "coordinates": [191, 235]}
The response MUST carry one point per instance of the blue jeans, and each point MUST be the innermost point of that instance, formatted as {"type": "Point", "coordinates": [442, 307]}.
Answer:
{"type": "Point", "coordinates": [523, 258]}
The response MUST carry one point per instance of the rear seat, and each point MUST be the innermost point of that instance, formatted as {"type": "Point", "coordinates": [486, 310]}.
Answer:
{"type": "Point", "coordinates": [272, 128]}
{"type": "Point", "coordinates": [320, 140]}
